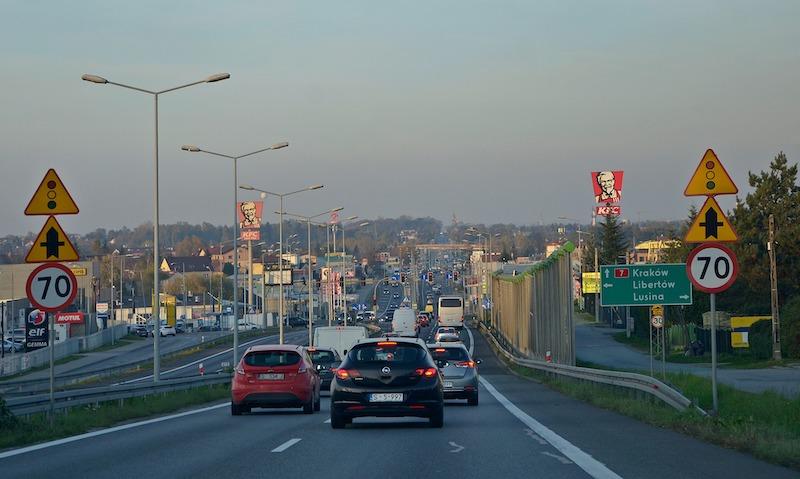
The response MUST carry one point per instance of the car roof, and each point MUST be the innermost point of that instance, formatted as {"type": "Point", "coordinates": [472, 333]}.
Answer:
{"type": "Point", "coordinates": [396, 339]}
{"type": "Point", "coordinates": [447, 345]}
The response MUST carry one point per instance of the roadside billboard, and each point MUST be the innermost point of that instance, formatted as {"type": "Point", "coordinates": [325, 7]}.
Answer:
{"type": "Point", "coordinates": [607, 186]}
{"type": "Point", "coordinates": [36, 329]}
{"type": "Point", "coordinates": [250, 214]}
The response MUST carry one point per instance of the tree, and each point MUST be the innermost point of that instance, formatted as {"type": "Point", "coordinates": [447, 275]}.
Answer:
{"type": "Point", "coordinates": [612, 241]}
{"type": "Point", "coordinates": [189, 246]}
{"type": "Point", "coordinates": [774, 192]}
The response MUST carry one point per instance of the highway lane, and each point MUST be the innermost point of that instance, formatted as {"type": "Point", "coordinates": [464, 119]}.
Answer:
{"type": "Point", "coordinates": [483, 441]}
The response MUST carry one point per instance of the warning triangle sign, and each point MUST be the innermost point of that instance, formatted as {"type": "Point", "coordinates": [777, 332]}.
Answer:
{"type": "Point", "coordinates": [710, 178]}
{"type": "Point", "coordinates": [51, 244]}
{"type": "Point", "coordinates": [711, 225]}
{"type": "Point", "coordinates": [51, 198]}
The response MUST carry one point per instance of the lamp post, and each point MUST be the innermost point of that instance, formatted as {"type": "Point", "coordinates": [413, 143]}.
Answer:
{"type": "Point", "coordinates": [194, 149]}
{"type": "Point", "coordinates": [156, 298]}
{"type": "Point", "coordinates": [264, 193]}
{"type": "Point", "coordinates": [309, 277]}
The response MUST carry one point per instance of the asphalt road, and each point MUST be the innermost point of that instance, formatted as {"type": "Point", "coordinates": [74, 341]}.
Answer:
{"type": "Point", "coordinates": [522, 430]}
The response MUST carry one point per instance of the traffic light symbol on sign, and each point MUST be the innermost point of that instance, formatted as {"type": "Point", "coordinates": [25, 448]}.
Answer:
{"type": "Point", "coordinates": [455, 275]}
{"type": "Point", "coordinates": [710, 178]}
{"type": "Point", "coordinates": [430, 276]}
{"type": "Point", "coordinates": [402, 277]}
{"type": "Point", "coordinates": [51, 198]}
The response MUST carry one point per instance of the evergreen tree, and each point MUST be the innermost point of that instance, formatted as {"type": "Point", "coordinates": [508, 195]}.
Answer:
{"type": "Point", "coordinates": [613, 244]}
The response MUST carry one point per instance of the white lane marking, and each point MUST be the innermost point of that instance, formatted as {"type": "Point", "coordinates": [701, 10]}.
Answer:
{"type": "Point", "coordinates": [227, 351]}
{"type": "Point", "coordinates": [327, 421]}
{"type": "Point", "coordinates": [458, 447]}
{"type": "Point", "coordinates": [80, 437]}
{"type": "Point", "coordinates": [286, 445]}
{"type": "Point", "coordinates": [471, 341]}
{"type": "Point", "coordinates": [535, 437]}
{"type": "Point", "coordinates": [561, 459]}
{"type": "Point", "coordinates": [590, 465]}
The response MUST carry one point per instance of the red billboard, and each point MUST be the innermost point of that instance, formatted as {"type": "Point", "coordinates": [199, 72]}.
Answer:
{"type": "Point", "coordinates": [250, 213]}
{"type": "Point", "coordinates": [607, 186]}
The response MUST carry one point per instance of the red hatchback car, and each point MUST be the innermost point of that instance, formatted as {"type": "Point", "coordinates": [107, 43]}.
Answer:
{"type": "Point", "coordinates": [275, 376]}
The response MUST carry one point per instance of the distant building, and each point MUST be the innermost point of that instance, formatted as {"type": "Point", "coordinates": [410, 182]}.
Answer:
{"type": "Point", "coordinates": [408, 235]}
{"type": "Point", "coordinates": [188, 264]}
{"type": "Point", "coordinates": [653, 251]}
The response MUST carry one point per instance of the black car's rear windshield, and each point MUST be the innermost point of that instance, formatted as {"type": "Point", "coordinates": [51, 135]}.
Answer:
{"type": "Point", "coordinates": [272, 358]}
{"type": "Point", "coordinates": [449, 354]}
{"type": "Point", "coordinates": [322, 357]}
{"type": "Point", "coordinates": [389, 351]}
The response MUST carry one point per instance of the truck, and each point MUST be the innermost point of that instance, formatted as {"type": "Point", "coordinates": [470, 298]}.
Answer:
{"type": "Point", "coordinates": [340, 338]}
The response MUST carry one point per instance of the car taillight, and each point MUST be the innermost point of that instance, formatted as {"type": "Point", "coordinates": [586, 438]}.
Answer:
{"type": "Point", "coordinates": [301, 370]}
{"type": "Point", "coordinates": [427, 373]}
{"type": "Point", "coordinates": [240, 370]}
{"type": "Point", "coordinates": [466, 364]}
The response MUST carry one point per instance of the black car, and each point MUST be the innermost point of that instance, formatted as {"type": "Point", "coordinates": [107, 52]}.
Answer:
{"type": "Point", "coordinates": [295, 321]}
{"type": "Point", "coordinates": [387, 377]}
{"type": "Point", "coordinates": [325, 360]}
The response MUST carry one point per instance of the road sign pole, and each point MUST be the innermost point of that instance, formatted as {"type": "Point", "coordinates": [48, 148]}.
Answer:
{"type": "Point", "coordinates": [51, 327]}
{"type": "Point", "coordinates": [664, 345]}
{"type": "Point", "coordinates": [713, 300]}
{"type": "Point", "coordinates": [650, 337]}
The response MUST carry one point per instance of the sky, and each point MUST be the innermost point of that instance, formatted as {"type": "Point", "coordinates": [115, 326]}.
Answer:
{"type": "Point", "coordinates": [496, 112]}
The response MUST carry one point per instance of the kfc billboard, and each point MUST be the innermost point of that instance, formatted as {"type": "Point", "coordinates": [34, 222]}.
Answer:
{"type": "Point", "coordinates": [250, 213]}
{"type": "Point", "coordinates": [607, 187]}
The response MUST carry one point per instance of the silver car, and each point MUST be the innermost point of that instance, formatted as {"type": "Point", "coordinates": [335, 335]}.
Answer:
{"type": "Point", "coordinates": [460, 371]}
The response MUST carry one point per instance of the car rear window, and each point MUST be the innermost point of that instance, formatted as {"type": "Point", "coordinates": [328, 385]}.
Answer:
{"type": "Point", "coordinates": [322, 357]}
{"type": "Point", "coordinates": [449, 354]}
{"type": "Point", "coordinates": [272, 358]}
{"type": "Point", "coordinates": [395, 353]}
{"type": "Point", "coordinates": [446, 330]}
{"type": "Point", "coordinates": [450, 303]}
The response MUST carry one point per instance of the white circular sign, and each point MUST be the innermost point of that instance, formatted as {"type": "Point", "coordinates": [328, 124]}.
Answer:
{"type": "Point", "coordinates": [712, 267]}
{"type": "Point", "coordinates": [51, 287]}
{"type": "Point", "coordinates": [657, 321]}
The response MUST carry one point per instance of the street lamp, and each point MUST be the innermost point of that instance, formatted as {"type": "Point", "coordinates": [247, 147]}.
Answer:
{"type": "Point", "coordinates": [344, 270]}
{"type": "Point", "coordinates": [195, 149]}
{"type": "Point", "coordinates": [156, 298]}
{"type": "Point", "coordinates": [308, 263]}
{"type": "Point", "coordinates": [264, 193]}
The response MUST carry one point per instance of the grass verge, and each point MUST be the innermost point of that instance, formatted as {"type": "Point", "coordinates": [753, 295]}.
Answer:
{"type": "Point", "coordinates": [20, 432]}
{"type": "Point", "coordinates": [766, 425]}
{"type": "Point", "coordinates": [117, 344]}
{"type": "Point", "coordinates": [725, 360]}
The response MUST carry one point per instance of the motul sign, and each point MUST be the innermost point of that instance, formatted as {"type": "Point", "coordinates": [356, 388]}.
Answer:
{"type": "Point", "coordinates": [69, 318]}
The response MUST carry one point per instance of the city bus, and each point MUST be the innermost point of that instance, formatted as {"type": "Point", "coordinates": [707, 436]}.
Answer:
{"type": "Point", "coordinates": [451, 311]}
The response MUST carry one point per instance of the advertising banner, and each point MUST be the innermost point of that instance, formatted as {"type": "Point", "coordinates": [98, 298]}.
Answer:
{"type": "Point", "coordinates": [591, 283]}
{"type": "Point", "coordinates": [607, 186]}
{"type": "Point", "coordinates": [36, 329]}
{"type": "Point", "coordinates": [250, 213]}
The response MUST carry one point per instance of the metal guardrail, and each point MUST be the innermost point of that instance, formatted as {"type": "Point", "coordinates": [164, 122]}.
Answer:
{"type": "Point", "coordinates": [80, 397]}
{"type": "Point", "coordinates": [632, 381]}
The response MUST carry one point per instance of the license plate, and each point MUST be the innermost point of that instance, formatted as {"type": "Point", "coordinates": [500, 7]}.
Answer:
{"type": "Point", "coordinates": [448, 384]}
{"type": "Point", "coordinates": [386, 397]}
{"type": "Point", "coordinates": [271, 376]}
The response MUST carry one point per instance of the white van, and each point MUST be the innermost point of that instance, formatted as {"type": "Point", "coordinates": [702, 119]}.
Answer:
{"type": "Point", "coordinates": [340, 338]}
{"type": "Point", "coordinates": [404, 322]}
{"type": "Point", "coordinates": [451, 311]}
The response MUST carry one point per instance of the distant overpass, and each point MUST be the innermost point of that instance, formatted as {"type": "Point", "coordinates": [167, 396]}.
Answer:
{"type": "Point", "coordinates": [446, 246]}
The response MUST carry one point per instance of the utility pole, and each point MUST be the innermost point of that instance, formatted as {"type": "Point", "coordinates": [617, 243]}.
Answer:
{"type": "Point", "coordinates": [773, 282]}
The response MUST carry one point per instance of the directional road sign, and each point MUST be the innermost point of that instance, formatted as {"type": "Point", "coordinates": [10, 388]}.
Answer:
{"type": "Point", "coordinates": [51, 287]}
{"type": "Point", "coordinates": [51, 244]}
{"type": "Point", "coordinates": [51, 198]}
{"type": "Point", "coordinates": [710, 178]}
{"type": "Point", "coordinates": [710, 224]}
{"type": "Point", "coordinates": [712, 267]}
{"type": "Point", "coordinates": [644, 285]}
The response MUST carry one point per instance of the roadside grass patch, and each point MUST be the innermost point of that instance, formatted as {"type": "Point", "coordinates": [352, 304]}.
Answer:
{"type": "Point", "coordinates": [36, 428]}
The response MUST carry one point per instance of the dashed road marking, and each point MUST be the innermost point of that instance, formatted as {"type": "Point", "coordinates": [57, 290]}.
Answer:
{"type": "Point", "coordinates": [286, 445]}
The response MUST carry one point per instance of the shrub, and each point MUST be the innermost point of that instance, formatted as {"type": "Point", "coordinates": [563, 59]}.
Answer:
{"type": "Point", "coordinates": [790, 328]}
{"type": "Point", "coordinates": [760, 339]}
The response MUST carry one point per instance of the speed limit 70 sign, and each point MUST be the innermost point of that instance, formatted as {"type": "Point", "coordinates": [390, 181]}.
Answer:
{"type": "Point", "coordinates": [712, 267]}
{"type": "Point", "coordinates": [51, 287]}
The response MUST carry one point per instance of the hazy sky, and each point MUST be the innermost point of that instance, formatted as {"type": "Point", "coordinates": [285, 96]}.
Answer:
{"type": "Point", "coordinates": [495, 111]}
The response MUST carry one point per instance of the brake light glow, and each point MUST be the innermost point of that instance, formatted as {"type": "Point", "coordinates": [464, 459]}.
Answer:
{"type": "Point", "coordinates": [347, 373]}
{"type": "Point", "coordinates": [466, 364]}
{"type": "Point", "coordinates": [440, 350]}
{"type": "Point", "coordinates": [387, 343]}
{"type": "Point", "coordinates": [428, 373]}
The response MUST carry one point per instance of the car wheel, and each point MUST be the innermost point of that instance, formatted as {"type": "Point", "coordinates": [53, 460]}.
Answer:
{"type": "Point", "coordinates": [437, 418]}
{"type": "Point", "coordinates": [337, 421]}
{"type": "Point", "coordinates": [473, 400]}
{"type": "Point", "coordinates": [308, 408]}
{"type": "Point", "coordinates": [236, 410]}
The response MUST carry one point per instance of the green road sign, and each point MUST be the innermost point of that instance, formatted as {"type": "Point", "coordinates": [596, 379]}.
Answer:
{"type": "Point", "coordinates": [644, 284]}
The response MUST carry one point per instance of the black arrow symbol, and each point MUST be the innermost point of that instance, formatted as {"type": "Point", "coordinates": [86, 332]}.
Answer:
{"type": "Point", "coordinates": [711, 224]}
{"type": "Point", "coordinates": [52, 242]}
